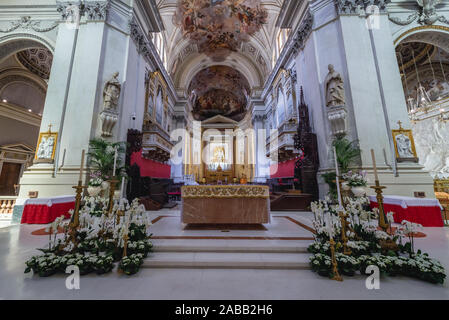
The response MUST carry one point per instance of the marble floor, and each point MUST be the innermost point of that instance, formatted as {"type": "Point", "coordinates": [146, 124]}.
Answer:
{"type": "Point", "coordinates": [17, 245]}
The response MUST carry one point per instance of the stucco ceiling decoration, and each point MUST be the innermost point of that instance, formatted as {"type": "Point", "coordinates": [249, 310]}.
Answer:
{"type": "Point", "coordinates": [219, 27]}
{"type": "Point", "coordinates": [37, 60]}
{"type": "Point", "coordinates": [219, 90]}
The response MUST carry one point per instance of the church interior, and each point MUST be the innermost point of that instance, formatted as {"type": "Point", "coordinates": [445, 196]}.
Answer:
{"type": "Point", "coordinates": [224, 149]}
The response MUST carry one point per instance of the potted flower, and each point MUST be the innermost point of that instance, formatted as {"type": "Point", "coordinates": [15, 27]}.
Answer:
{"type": "Point", "coordinates": [94, 188]}
{"type": "Point", "coordinates": [357, 182]}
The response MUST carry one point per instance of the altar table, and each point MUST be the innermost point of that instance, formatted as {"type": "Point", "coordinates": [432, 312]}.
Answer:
{"type": "Point", "coordinates": [225, 204]}
{"type": "Point", "coordinates": [424, 211]}
{"type": "Point", "coordinates": [46, 210]}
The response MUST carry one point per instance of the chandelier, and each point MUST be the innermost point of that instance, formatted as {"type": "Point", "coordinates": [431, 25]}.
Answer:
{"type": "Point", "coordinates": [219, 27]}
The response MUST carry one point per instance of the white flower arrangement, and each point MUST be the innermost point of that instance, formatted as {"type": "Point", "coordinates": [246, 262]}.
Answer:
{"type": "Point", "coordinates": [355, 179]}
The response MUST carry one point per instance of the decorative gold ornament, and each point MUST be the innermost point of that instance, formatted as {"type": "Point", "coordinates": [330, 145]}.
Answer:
{"type": "Point", "coordinates": [225, 191]}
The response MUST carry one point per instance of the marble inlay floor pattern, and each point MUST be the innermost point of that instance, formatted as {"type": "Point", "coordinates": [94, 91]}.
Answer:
{"type": "Point", "coordinates": [280, 228]}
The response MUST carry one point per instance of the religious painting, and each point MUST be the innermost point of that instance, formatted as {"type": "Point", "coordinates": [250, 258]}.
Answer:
{"type": "Point", "coordinates": [46, 146]}
{"type": "Point", "coordinates": [219, 90]}
{"type": "Point", "coordinates": [219, 156]}
{"type": "Point", "coordinates": [404, 145]}
{"type": "Point", "coordinates": [219, 27]}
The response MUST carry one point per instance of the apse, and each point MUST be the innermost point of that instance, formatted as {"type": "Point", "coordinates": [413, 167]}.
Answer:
{"type": "Point", "coordinates": [219, 90]}
{"type": "Point", "coordinates": [219, 27]}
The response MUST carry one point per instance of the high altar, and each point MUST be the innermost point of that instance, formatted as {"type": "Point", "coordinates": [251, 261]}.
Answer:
{"type": "Point", "coordinates": [225, 204]}
{"type": "Point", "coordinates": [220, 156]}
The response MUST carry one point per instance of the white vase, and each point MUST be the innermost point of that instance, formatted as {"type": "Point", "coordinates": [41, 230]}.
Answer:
{"type": "Point", "coordinates": [93, 191]}
{"type": "Point", "coordinates": [345, 186]}
{"type": "Point", "coordinates": [104, 185]}
{"type": "Point", "coordinates": [358, 191]}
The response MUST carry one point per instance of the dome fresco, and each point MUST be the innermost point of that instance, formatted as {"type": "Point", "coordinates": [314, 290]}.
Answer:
{"type": "Point", "coordinates": [219, 90]}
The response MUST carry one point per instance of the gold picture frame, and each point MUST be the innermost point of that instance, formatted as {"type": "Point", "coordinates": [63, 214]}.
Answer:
{"type": "Point", "coordinates": [38, 156]}
{"type": "Point", "coordinates": [402, 152]}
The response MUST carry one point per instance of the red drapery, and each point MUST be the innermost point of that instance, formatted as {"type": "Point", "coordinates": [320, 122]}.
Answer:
{"type": "Point", "coordinates": [150, 168]}
{"type": "Point", "coordinates": [283, 169]}
{"type": "Point", "coordinates": [41, 213]}
{"type": "Point", "coordinates": [426, 216]}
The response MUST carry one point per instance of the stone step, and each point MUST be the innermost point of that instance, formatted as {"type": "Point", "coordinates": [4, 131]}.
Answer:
{"type": "Point", "coordinates": [230, 246]}
{"type": "Point", "coordinates": [227, 260]}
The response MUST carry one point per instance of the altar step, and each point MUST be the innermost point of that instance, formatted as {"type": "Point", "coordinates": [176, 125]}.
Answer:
{"type": "Point", "coordinates": [231, 246]}
{"type": "Point", "coordinates": [229, 254]}
{"type": "Point", "coordinates": [222, 260]}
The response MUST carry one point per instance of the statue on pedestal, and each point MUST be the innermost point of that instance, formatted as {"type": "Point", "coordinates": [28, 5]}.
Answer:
{"type": "Point", "coordinates": [335, 92]}
{"type": "Point", "coordinates": [111, 93]}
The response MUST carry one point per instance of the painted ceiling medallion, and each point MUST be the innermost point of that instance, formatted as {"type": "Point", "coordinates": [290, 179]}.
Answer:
{"type": "Point", "coordinates": [219, 90]}
{"type": "Point", "coordinates": [37, 60]}
{"type": "Point", "coordinates": [218, 27]}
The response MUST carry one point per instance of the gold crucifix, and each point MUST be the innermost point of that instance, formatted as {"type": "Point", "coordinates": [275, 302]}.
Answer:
{"type": "Point", "coordinates": [49, 128]}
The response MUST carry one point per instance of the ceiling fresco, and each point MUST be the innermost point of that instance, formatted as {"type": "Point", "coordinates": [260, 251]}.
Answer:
{"type": "Point", "coordinates": [219, 27]}
{"type": "Point", "coordinates": [219, 90]}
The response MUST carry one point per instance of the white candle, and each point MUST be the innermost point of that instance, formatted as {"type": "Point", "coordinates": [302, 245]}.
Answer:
{"type": "Point", "coordinates": [115, 162]}
{"type": "Point", "coordinates": [329, 228]}
{"type": "Point", "coordinates": [337, 180]}
{"type": "Point", "coordinates": [122, 187]}
{"type": "Point", "coordinates": [82, 165]}
{"type": "Point", "coordinates": [374, 165]}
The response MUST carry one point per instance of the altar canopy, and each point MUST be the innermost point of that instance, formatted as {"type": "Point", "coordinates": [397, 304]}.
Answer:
{"type": "Point", "coordinates": [424, 211]}
{"type": "Point", "coordinates": [46, 210]}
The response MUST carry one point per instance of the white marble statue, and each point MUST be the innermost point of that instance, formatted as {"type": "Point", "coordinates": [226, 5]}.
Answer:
{"type": "Point", "coordinates": [334, 86]}
{"type": "Point", "coordinates": [45, 149]}
{"type": "Point", "coordinates": [111, 93]}
{"type": "Point", "coordinates": [404, 146]}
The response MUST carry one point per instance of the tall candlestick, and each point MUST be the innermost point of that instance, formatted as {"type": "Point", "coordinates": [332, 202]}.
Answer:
{"type": "Point", "coordinates": [374, 165]}
{"type": "Point", "coordinates": [115, 163]}
{"type": "Point", "coordinates": [82, 165]}
{"type": "Point", "coordinates": [337, 179]}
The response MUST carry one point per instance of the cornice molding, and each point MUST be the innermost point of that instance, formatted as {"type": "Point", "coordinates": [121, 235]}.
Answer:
{"type": "Point", "coordinates": [18, 113]}
{"type": "Point", "coordinates": [294, 44]}
{"type": "Point", "coordinates": [358, 7]}
{"type": "Point", "coordinates": [90, 10]}
{"type": "Point", "coordinates": [287, 13]}
{"type": "Point", "coordinates": [146, 48]}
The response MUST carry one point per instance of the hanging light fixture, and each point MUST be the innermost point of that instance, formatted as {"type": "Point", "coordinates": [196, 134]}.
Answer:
{"type": "Point", "coordinates": [410, 102]}
{"type": "Point", "coordinates": [422, 98]}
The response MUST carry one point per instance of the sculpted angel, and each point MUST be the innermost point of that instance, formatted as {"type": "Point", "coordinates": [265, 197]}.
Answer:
{"type": "Point", "coordinates": [429, 14]}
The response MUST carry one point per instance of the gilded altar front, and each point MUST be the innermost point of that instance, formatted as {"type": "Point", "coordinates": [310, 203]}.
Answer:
{"type": "Point", "coordinates": [225, 204]}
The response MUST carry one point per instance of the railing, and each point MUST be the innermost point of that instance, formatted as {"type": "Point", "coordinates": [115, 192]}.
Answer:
{"type": "Point", "coordinates": [7, 204]}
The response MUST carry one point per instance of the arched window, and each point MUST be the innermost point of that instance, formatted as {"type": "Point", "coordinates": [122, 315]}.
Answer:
{"type": "Point", "coordinates": [159, 106]}
{"type": "Point", "coordinates": [280, 107]}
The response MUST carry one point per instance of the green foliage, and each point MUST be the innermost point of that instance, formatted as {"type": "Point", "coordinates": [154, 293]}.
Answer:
{"type": "Point", "coordinates": [347, 152]}
{"type": "Point", "coordinates": [101, 155]}
{"type": "Point", "coordinates": [49, 263]}
{"type": "Point", "coordinates": [131, 264]}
